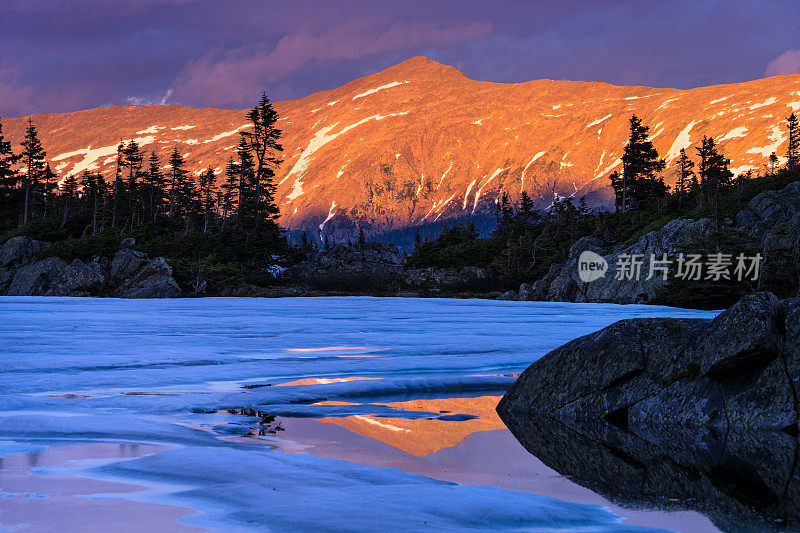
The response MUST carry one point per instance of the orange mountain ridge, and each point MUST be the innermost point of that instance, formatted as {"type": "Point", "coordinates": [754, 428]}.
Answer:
{"type": "Point", "coordinates": [421, 142]}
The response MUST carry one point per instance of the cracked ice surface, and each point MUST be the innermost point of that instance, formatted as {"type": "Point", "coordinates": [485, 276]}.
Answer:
{"type": "Point", "coordinates": [146, 371]}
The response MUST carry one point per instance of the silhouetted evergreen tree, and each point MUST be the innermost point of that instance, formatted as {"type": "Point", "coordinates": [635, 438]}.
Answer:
{"type": "Point", "coordinates": [33, 155]}
{"type": "Point", "coordinates": [69, 192]}
{"type": "Point", "coordinates": [207, 196]}
{"type": "Point", "coordinates": [793, 149]}
{"type": "Point", "coordinates": [715, 178]}
{"type": "Point", "coordinates": [9, 182]}
{"type": "Point", "coordinates": [156, 185]}
{"type": "Point", "coordinates": [640, 186]}
{"type": "Point", "coordinates": [263, 143]}
{"type": "Point", "coordinates": [685, 175]}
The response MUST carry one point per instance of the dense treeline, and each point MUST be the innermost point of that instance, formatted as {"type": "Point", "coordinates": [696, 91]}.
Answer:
{"type": "Point", "coordinates": [527, 242]}
{"type": "Point", "coordinates": [206, 224]}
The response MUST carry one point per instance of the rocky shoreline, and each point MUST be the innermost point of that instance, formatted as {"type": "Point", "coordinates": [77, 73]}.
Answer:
{"type": "Point", "coordinates": [130, 274]}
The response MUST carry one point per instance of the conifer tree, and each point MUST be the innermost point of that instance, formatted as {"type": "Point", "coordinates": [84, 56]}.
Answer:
{"type": "Point", "coordinates": [94, 191]}
{"type": "Point", "coordinates": [49, 186]}
{"type": "Point", "coordinates": [640, 185]}
{"type": "Point", "coordinates": [247, 210]}
{"type": "Point", "coordinates": [33, 155]}
{"type": "Point", "coordinates": [181, 191]}
{"type": "Point", "coordinates": [230, 190]}
{"type": "Point", "coordinates": [9, 178]}
{"type": "Point", "coordinates": [263, 143]}
{"type": "Point", "coordinates": [773, 163]}
{"type": "Point", "coordinates": [154, 180]}
{"type": "Point", "coordinates": [117, 178]}
{"type": "Point", "coordinates": [685, 175]}
{"type": "Point", "coordinates": [793, 150]}
{"type": "Point", "coordinates": [69, 190]}
{"type": "Point", "coordinates": [362, 239]}
{"type": "Point", "coordinates": [207, 195]}
{"type": "Point", "coordinates": [715, 177]}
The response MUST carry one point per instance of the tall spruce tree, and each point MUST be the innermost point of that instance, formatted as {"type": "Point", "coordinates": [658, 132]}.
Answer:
{"type": "Point", "coordinates": [69, 192]}
{"type": "Point", "coordinates": [9, 179]}
{"type": "Point", "coordinates": [207, 196]}
{"type": "Point", "coordinates": [715, 178]}
{"type": "Point", "coordinates": [685, 175]}
{"type": "Point", "coordinates": [182, 192]}
{"type": "Point", "coordinates": [154, 181]}
{"type": "Point", "coordinates": [33, 155]}
{"type": "Point", "coordinates": [263, 143]}
{"type": "Point", "coordinates": [49, 187]}
{"type": "Point", "coordinates": [640, 186]}
{"type": "Point", "coordinates": [230, 191]}
{"type": "Point", "coordinates": [793, 149]}
{"type": "Point", "coordinates": [247, 209]}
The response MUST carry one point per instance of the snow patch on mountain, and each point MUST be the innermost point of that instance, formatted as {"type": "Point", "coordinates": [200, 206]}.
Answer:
{"type": "Point", "coordinates": [92, 155]}
{"type": "Point", "coordinates": [735, 132]}
{"type": "Point", "coordinates": [683, 140]}
{"type": "Point", "coordinates": [599, 120]}
{"type": "Point", "coordinates": [331, 214]}
{"type": "Point", "coordinates": [376, 89]}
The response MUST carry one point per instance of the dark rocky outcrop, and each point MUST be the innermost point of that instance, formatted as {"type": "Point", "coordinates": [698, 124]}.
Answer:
{"type": "Point", "coordinates": [436, 280]}
{"type": "Point", "coordinates": [129, 275]}
{"type": "Point", "coordinates": [36, 279]}
{"type": "Point", "coordinates": [701, 412]}
{"type": "Point", "coordinates": [772, 218]}
{"type": "Point", "coordinates": [149, 279]}
{"type": "Point", "coordinates": [372, 257]}
{"type": "Point", "coordinates": [562, 283]}
{"type": "Point", "coordinates": [18, 251]}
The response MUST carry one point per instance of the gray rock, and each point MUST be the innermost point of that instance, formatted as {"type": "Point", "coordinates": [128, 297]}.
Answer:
{"type": "Point", "coordinates": [686, 413]}
{"type": "Point", "coordinates": [155, 286]}
{"type": "Point", "coordinates": [77, 279]}
{"type": "Point", "coordinates": [773, 216]}
{"type": "Point", "coordinates": [19, 251]}
{"type": "Point", "coordinates": [126, 263]}
{"type": "Point", "coordinates": [433, 279]}
{"type": "Point", "coordinates": [508, 295]}
{"type": "Point", "coordinates": [128, 242]}
{"type": "Point", "coordinates": [36, 279]}
{"type": "Point", "coordinates": [729, 373]}
{"type": "Point", "coordinates": [6, 275]}
{"type": "Point", "coordinates": [562, 282]}
{"type": "Point", "coordinates": [294, 291]}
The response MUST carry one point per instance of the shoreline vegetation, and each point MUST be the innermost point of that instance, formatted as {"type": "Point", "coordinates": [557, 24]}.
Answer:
{"type": "Point", "coordinates": [203, 234]}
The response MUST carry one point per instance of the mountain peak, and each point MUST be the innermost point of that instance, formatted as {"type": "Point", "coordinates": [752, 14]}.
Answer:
{"type": "Point", "coordinates": [423, 66]}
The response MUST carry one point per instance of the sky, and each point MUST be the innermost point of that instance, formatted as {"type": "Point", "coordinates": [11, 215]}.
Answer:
{"type": "Point", "coordinates": [68, 55]}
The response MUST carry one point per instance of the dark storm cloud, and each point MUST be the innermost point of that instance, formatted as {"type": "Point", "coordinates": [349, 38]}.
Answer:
{"type": "Point", "coordinates": [63, 55]}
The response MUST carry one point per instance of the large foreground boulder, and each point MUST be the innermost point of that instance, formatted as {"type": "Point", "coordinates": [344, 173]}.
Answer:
{"type": "Point", "coordinates": [737, 371]}
{"type": "Point", "coordinates": [698, 414]}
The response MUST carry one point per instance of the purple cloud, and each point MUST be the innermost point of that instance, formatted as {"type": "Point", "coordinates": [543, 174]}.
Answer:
{"type": "Point", "coordinates": [232, 78]}
{"type": "Point", "coordinates": [70, 54]}
{"type": "Point", "coordinates": [786, 63]}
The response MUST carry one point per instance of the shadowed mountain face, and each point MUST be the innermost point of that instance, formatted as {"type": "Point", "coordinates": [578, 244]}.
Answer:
{"type": "Point", "coordinates": [421, 142]}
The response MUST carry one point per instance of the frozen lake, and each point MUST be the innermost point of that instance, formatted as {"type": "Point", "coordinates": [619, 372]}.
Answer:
{"type": "Point", "coordinates": [285, 414]}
